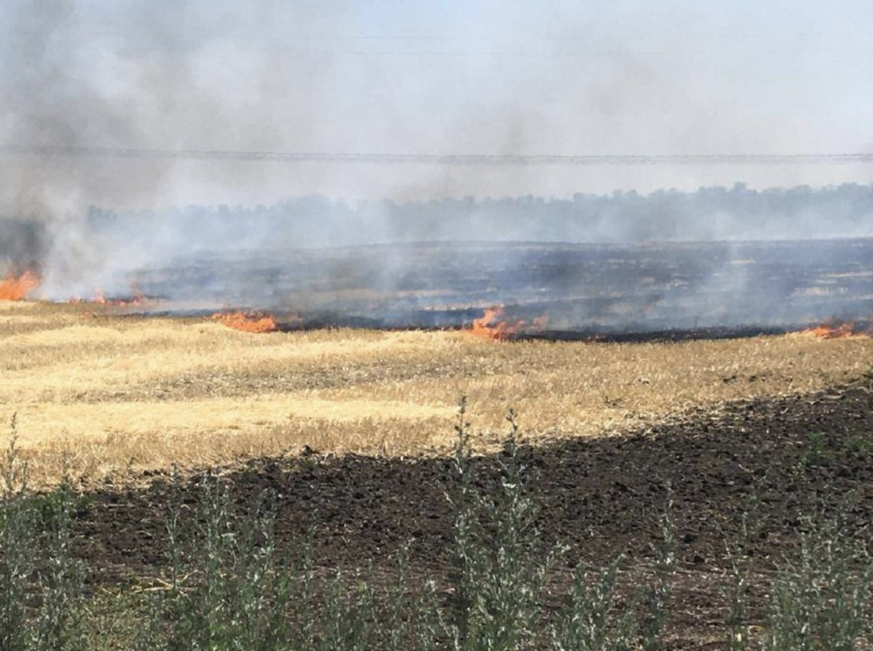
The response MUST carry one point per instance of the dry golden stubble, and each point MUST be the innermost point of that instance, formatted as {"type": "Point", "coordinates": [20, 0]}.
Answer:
{"type": "Point", "coordinates": [109, 395]}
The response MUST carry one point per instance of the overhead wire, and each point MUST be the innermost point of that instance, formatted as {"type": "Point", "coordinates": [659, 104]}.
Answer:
{"type": "Point", "coordinates": [436, 159]}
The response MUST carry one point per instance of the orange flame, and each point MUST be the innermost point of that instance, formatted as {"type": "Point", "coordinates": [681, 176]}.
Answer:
{"type": "Point", "coordinates": [99, 298]}
{"type": "Point", "coordinates": [16, 289]}
{"type": "Point", "coordinates": [255, 322]}
{"type": "Point", "coordinates": [837, 331]}
{"type": "Point", "coordinates": [495, 324]}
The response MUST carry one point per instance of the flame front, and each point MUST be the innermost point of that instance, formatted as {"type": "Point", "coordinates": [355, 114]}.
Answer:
{"type": "Point", "coordinates": [17, 288]}
{"type": "Point", "coordinates": [99, 298]}
{"type": "Point", "coordinates": [136, 298]}
{"type": "Point", "coordinates": [847, 330]}
{"type": "Point", "coordinates": [254, 322]}
{"type": "Point", "coordinates": [495, 324]}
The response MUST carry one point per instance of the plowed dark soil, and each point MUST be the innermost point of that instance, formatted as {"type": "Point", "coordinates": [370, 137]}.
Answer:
{"type": "Point", "coordinates": [780, 458]}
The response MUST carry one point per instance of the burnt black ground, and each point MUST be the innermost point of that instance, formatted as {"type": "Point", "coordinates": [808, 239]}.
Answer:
{"type": "Point", "coordinates": [583, 289]}
{"type": "Point", "coordinates": [602, 496]}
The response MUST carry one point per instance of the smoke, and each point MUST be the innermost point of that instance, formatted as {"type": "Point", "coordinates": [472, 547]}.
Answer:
{"type": "Point", "coordinates": [335, 76]}
{"type": "Point", "coordinates": [387, 77]}
{"type": "Point", "coordinates": [53, 94]}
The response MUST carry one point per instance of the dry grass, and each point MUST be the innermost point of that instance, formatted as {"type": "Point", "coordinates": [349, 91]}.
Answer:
{"type": "Point", "coordinates": [105, 394]}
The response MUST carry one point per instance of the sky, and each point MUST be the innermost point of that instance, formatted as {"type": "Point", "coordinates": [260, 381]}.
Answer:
{"type": "Point", "coordinates": [452, 77]}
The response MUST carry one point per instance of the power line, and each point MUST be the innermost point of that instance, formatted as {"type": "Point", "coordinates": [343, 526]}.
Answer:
{"type": "Point", "coordinates": [437, 159]}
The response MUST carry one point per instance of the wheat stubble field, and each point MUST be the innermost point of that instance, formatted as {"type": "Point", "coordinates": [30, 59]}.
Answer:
{"type": "Point", "coordinates": [97, 394]}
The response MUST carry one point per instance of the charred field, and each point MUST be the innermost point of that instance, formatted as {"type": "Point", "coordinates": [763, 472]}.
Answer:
{"type": "Point", "coordinates": [579, 290]}
{"type": "Point", "coordinates": [666, 385]}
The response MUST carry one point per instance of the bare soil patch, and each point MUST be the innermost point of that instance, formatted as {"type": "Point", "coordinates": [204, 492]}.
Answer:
{"type": "Point", "coordinates": [781, 456]}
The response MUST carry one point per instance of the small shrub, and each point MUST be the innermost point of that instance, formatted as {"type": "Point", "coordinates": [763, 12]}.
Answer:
{"type": "Point", "coordinates": [859, 446]}
{"type": "Point", "coordinates": [497, 576]}
{"type": "Point", "coordinates": [656, 596]}
{"type": "Point", "coordinates": [233, 594]}
{"type": "Point", "coordinates": [590, 619]}
{"type": "Point", "coordinates": [821, 599]}
{"type": "Point", "coordinates": [230, 591]}
{"type": "Point", "coordinates": [817, 452]}
{"type": "Point", "coordinates": [17, 560]}
{"type": "Point", "coordinates": [736, 593]}
{"type": "Point", "coordinates": [40, 582]}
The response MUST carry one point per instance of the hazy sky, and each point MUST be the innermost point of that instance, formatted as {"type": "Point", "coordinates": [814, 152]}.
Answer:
{"type": "Point", "coordinates": [451, 77]}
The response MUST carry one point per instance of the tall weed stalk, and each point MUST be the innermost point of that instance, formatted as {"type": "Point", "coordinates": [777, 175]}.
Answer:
{"type": "Point", "coordinates": [234, 595]}
{"type": "Point", "coordinates": [822, 599]}
{"type": "Point", "coordinates": [591, 619]}
{"type": "Point", "coordinates": [498, 572]}
{"type": "Point", "coordinates": [40, 581]}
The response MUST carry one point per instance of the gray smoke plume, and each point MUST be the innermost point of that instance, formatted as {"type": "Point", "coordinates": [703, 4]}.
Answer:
{"type": "Point", "coordinates": [51, 96]}
{"type": "Point", "coordinates": [393, 78]}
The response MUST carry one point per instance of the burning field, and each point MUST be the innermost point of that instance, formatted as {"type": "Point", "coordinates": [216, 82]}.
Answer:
{"type": "Point", "coordinates": [428, 326]}
{"type": "Point", "coordinates": [559, 291]}
{"type": "Point", "coordinates": [367, 349]}
{"type": "Point", "coordinates": [351, 428]}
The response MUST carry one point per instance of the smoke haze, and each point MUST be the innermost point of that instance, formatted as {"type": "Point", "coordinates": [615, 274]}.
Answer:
{"type": "Point", "coordinates": [440, 78]}
{"type": "Point", "coordinates": [115, 248]}
{"type": "Point", "coordinates": [481, 77]}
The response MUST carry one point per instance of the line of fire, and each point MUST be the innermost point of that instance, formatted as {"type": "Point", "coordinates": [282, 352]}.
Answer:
{"type": "Point", "coordinates": [509, 291]}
